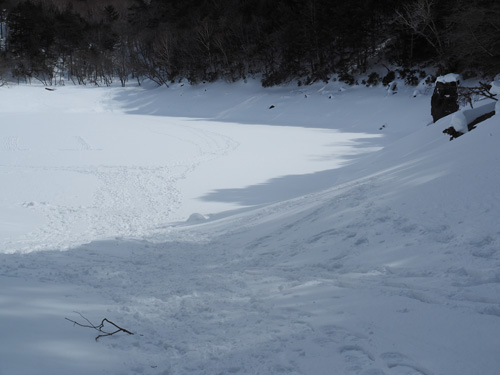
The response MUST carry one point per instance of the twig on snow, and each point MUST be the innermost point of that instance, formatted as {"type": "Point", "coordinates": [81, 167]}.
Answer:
{"type": "Point", "coordinates": [100, 327]}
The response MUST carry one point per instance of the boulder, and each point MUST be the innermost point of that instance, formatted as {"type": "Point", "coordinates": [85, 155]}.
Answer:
{"type": "Point", "coordinates": [444, 100]}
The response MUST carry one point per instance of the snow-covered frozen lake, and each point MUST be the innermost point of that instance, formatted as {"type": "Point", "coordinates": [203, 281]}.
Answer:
{"type": "Point", "coordinates": [77, 167]}
{"type": "Point", "coordinates": [234, 229]}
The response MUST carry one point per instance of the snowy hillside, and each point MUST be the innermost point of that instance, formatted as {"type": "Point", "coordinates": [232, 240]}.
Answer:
{"type": "Point", "coordinates": [234, 229]}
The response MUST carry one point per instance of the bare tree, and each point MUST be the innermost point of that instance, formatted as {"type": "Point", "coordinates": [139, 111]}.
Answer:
{"type": "Point", "coordinates": [475, 37]}
{"type": "Point", "coordinates": [205, 36]}
{"type": "Point", "coordinates": [418, 17]}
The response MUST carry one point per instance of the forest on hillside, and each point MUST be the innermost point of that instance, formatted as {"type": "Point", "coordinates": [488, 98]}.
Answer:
{"type": "Point", "coordinates": [96, 41]}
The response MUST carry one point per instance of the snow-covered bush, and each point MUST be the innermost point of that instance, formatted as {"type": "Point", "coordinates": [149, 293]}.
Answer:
{"type": "Point", "coordinates": [347, 78]}
{"type": "Point", "coordinates": [389, 77]}
{"type": "Point", "coordinates": [373, 79]}
{"type": "Point", "coordinates": [411, 77]}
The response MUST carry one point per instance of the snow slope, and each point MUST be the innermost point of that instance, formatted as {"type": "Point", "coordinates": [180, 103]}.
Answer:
{"type": "Point", "coordinates": [337, 232]}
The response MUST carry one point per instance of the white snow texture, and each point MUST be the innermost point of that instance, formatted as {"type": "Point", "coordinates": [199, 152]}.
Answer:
{"type": "Point", "coordinates": [335, 233]}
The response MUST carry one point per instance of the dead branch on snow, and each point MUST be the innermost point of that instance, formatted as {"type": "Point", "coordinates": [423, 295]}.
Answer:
{"type": "Point", "coordinates": [100, 327]}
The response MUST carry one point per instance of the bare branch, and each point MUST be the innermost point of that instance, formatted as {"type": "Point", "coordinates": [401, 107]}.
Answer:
{"type": "Point", "coordinates": [100, 327]}
{"type": "Point", "coordinates": [469, 95]}
{"type": "Point", "coordinates": [418, 17]}
{"type": "Point", "coordinates": [478, 42]}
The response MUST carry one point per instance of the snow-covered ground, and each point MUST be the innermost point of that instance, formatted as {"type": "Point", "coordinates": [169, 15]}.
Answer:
{"type": "Point", "coordinates": [234, 229]}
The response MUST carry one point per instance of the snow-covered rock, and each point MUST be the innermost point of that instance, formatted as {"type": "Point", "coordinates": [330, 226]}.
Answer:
{"type": "Point", "coordinates": [422, 88]}
{"type": "Point", "coordinates": [450, 77]}
{"type": "Point", "coordinates": [392, 88]}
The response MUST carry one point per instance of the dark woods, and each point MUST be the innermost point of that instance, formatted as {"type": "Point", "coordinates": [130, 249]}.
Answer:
{"type": "Point", "coordinates": [97, 41]}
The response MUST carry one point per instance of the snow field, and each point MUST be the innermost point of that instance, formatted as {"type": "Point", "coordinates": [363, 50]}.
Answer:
{"type": "Point", "coordinates": [107, 174]}
{"type": "Point", "coordinates": [371, 250]}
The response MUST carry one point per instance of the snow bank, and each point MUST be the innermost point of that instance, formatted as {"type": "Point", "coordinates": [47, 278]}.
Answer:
{"type": "Point", "coordinates": [459, 122]}
{"type": "Point", "coordinates": [461, 119]}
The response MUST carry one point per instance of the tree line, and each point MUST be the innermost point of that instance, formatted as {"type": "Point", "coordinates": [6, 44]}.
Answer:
{"type": "Point", "coordinates": [96, 41]}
